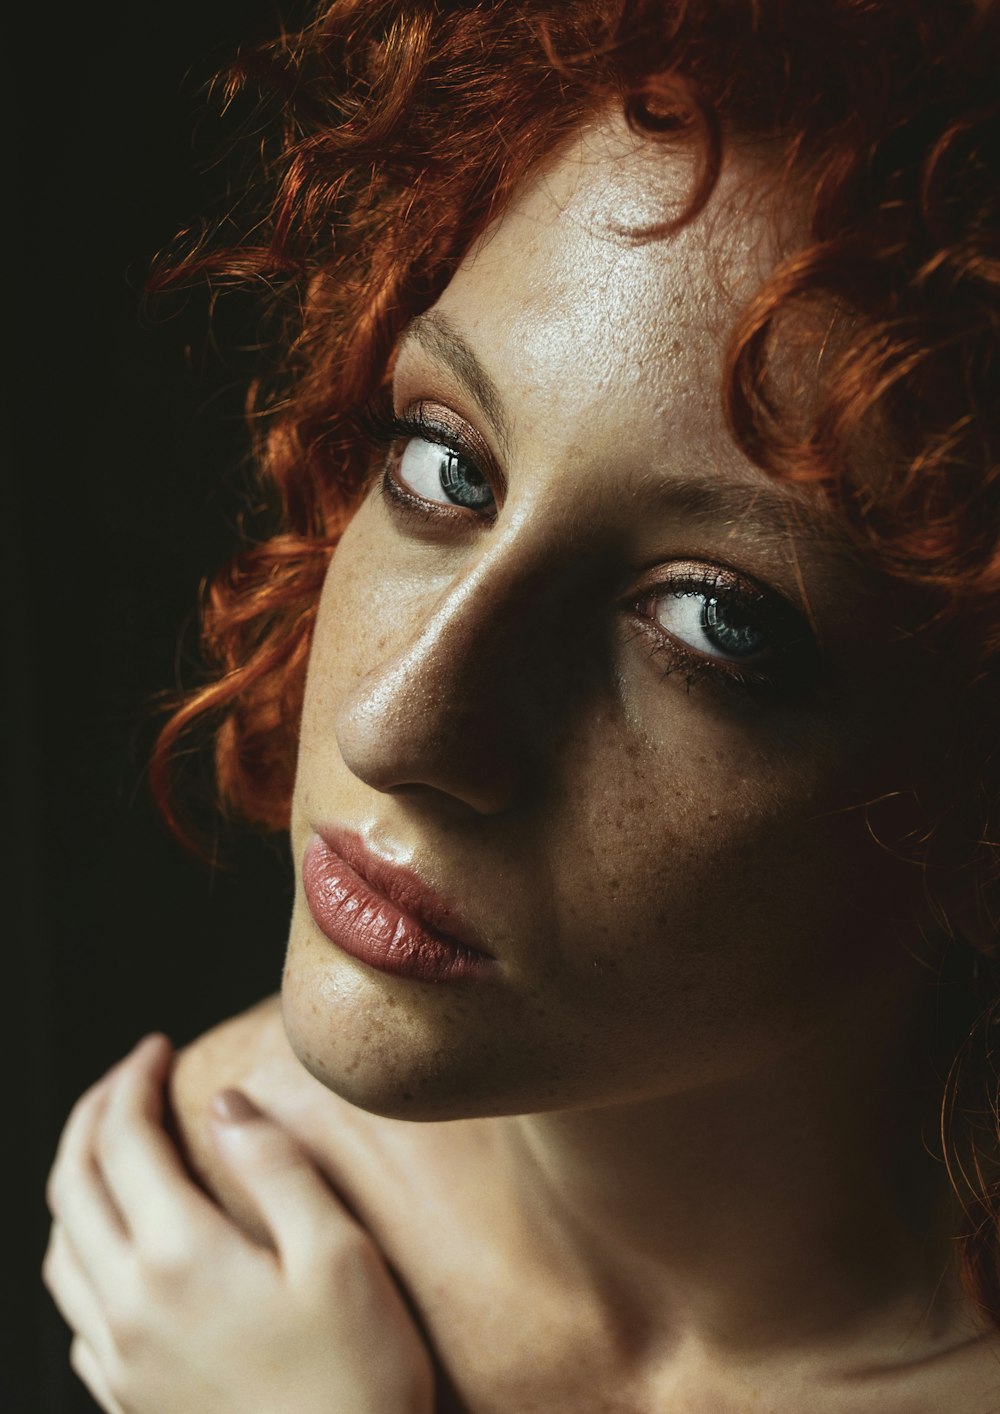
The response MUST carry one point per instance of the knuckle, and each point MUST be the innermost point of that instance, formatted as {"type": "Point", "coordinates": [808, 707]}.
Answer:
{"type": "Point", "coordinates": [126, 1328]}
{"type": "Point", "coordinates": [276, 1157]}
{"type": "Point", "coordinates": [166, 1267]}
{"type": "Point", "coordinates": [344, 1255]}
{"type": "Point", "coordinates": [131, 1327]}
{"type": "Point", "coordinates": [128, 1315]}
{"type": "Point", "coordinates": [272, 1144]}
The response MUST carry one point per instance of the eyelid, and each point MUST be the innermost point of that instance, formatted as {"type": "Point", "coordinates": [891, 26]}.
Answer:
{"type": "Point", "coordinates": [426, 415]}
{"type": "Point", "coordinates": [705, 574]}
{"type": "Point", "coordinates": [794, 644]}
{"type": "Point", "coordinates": [423, 419]}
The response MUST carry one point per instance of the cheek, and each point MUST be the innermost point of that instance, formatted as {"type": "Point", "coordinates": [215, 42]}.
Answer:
{"type": "Point", "coordinates": [674, 832]}
{"type": "Point", "coordinates": [352, 609]}
{"type": "Point", "coordinates": [720, 889]}
{"type": "Point", "coordinates": [691, 889]}
{"type": "Point", "coordinates": [362, 612]}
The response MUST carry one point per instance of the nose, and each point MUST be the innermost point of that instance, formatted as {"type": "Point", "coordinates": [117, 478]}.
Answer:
{"type": "Point", "coordinates": [465, 711]}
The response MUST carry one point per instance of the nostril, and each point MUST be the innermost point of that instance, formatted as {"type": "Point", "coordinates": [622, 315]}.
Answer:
{"type": "Point", "coordinates": [472, 696]}
{"type": "Point", "coordinates": [433, 747]}
{"type": "Point", "coordinates": [478, 800]}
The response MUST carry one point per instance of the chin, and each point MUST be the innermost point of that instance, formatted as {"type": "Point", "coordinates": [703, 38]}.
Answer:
{"type": "Point", "coordinates": [367, 1045]}
{"type": "Point", "coordinates": [416, 1055]}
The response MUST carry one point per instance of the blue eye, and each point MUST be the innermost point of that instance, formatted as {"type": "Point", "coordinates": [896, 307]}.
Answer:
{"type": "Point", "coordinates": [438, 473]}
{"type": "Point", "coordinates": [710, 619]}
{"type": "Point", "coordinates": [718, 626]}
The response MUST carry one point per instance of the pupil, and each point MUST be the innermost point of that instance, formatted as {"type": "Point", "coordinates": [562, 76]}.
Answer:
{"type": "Point", "coordinates": [740, 636]}
{"type": "Point", "coordinates": [464, 484]}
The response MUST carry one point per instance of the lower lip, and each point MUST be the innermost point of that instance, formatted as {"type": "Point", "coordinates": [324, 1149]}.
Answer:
{"type": "Point", "coordinates": [369, 928]}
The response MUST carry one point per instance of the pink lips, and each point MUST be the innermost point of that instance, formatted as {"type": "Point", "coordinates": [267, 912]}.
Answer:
{"type": "Point", "coordinates": [385, 915]}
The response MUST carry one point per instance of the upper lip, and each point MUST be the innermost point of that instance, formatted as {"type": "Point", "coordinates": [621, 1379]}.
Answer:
{"type": "Point", "coordinates": [403, 887]}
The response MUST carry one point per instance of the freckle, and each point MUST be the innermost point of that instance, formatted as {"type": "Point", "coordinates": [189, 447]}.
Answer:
{"type": "Point", "coordinates": [614, 885]}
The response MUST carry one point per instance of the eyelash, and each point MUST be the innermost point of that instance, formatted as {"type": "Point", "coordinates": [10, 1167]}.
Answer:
{"type": "Point", "coordinates": [779, 673]}
{"type": "Point", "coordinates": [381, 427]}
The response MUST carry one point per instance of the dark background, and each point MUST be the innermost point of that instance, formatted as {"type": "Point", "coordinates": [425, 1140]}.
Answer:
{"type": "Point", "coordinates": [124, 457]}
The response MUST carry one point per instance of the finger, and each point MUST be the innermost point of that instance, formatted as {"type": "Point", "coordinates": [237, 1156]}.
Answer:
{"type": "Point", "coordinates": [282, 1181]}
{"type": "Point", "coordinates": [91, 1372]}
{"type": "Point", "coordinates": [72, 1293]}
{"type": "Point", "coordinates": [138, 1159]}
{"type": "Point", "coordinates": [79, 1122]}
{"type": "Point", "coordinates": [79, 1200]}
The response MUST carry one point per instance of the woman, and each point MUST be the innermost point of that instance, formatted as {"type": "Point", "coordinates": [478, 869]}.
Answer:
{"type": "Point", "coordinates": [641, 810]}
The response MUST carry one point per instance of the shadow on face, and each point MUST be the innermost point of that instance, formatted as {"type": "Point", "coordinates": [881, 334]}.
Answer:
{"type": "Point", "coordinates": [621, 699]}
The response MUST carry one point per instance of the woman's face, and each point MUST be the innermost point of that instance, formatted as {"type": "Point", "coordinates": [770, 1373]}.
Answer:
{"type": "Point", "coordinates": [607, 689]}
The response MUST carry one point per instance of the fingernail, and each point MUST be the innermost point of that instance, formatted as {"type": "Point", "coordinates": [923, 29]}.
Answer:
{"type": "Point", "coordinates": [233, 1107]}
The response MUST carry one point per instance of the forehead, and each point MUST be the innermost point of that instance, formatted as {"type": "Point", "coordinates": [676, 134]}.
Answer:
{"type": "Point", "coordinates": [570, 252]}
{"type": "Point", "coordinates": [590, 344]}
{"type": "Point", "coordinates": [566, 290]}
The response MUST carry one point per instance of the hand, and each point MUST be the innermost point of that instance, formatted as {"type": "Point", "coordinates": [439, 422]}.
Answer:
{"type": "Point", "coordinates": [174, 1308]}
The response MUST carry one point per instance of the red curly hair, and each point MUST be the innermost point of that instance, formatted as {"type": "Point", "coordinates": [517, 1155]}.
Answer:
{"type": "Point", "coordinates": [401, 131]}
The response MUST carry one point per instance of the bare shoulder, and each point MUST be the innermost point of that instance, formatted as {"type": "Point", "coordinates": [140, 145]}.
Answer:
{"type": "Point", "coordinates": [250, 1052]}
{"type": "Point", "coordinates": [385, 1169]}
{"type": "Point", "coordinates": [224, 1055]}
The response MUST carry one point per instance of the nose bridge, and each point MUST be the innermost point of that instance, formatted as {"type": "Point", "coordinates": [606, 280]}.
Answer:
{"type": "Point", "coordinates": [461, 706]}
{"type": "Point", "coordinates": [483, 618]}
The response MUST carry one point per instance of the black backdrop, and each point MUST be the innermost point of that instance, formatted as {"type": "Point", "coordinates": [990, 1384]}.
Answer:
{"type": "Point", "coordinates": [123, 459]}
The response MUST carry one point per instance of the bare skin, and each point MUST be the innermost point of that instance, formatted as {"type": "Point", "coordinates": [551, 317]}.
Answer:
{"type": "Point", "coordinates": [513, 1322]}
{"type": "Point", "coordinates": [671, 1156]}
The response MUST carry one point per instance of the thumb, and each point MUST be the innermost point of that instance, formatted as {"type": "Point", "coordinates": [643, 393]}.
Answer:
{"type": "Point", "coordinates": [279, 1177]}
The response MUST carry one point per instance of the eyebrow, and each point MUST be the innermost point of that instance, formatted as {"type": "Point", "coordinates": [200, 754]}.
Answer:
{"type": "Point", "coordinates": [769, 515]}
{"type": "Point", "coordinates": [433, 332]}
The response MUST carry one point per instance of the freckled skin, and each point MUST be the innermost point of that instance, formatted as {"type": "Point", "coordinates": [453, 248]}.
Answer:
{"type": "Point", "coordinates": [672, 1155]}
{"type": "Point", "coordinates": [659, 867]}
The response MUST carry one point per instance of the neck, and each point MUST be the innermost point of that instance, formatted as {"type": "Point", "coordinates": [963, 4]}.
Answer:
{"type": "Point", "coordinates": [794, 1204]}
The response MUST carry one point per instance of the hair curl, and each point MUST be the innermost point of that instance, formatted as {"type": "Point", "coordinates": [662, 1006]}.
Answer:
{"type": "Point", "coordinates": [401, 131]}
